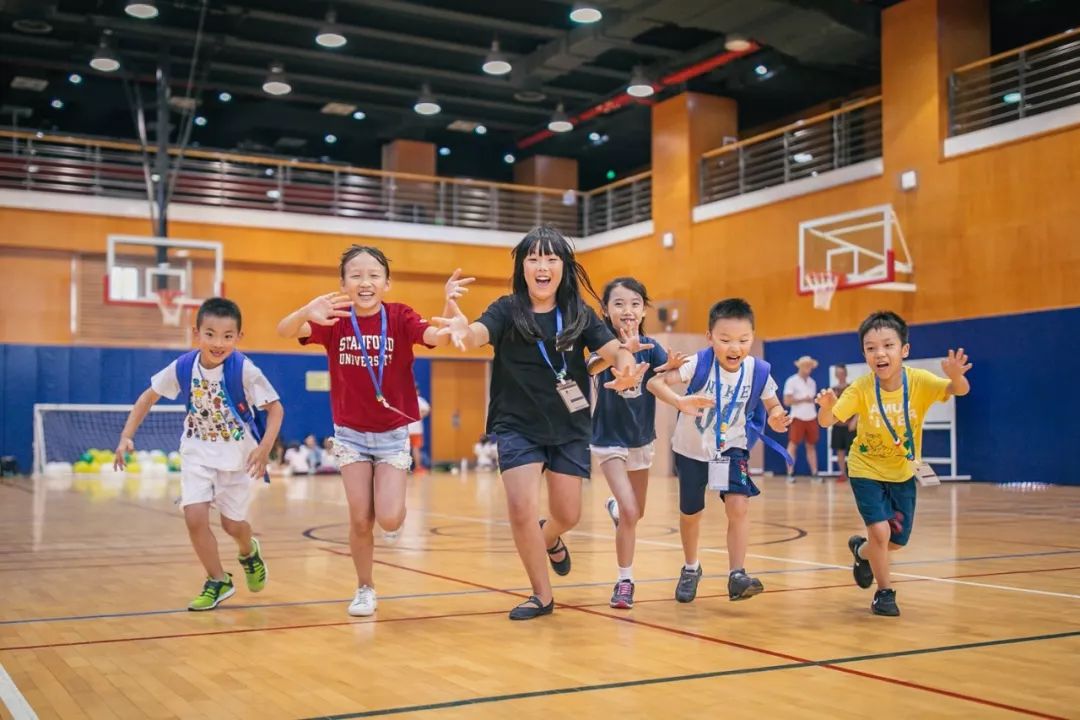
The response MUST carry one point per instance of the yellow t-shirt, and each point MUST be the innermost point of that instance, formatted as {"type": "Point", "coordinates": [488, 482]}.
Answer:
{"type": "Point", "coordinates": [873, 454]}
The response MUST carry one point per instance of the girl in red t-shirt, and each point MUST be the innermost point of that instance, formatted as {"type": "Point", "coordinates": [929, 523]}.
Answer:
{"type": "Point", "coordinates": [372, 394]}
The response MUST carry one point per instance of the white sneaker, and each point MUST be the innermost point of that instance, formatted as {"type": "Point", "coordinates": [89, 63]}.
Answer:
{"type": "Point", "coordinates": [364, 603]}
{"type": "Point", "coordinates": [817, 479]}
{"type": "Point", "coordinates": [791, 479]}
{"type": "Point", "coordinates": [612, 506]}
{"type": "Point", "coordinates": [391, 536]}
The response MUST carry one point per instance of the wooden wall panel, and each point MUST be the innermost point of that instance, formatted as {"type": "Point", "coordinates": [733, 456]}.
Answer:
{"type": "Point", "coordinates": [459, 394]}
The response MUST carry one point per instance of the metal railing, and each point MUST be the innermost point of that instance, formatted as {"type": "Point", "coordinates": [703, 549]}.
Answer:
{"type": "Point", "coordinates": [89, 166]}
{"type": "Point", "coordinates": [802, 149]}
{"type": "Point", "coordinates": [1032, 79]}
{"type": "Point", "coordinates": [621, 203]}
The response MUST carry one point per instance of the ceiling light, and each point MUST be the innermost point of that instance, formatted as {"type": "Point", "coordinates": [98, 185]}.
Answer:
{"type": "Point", "coordinates": [560, 123]}
{"type": "Point", "coordinates": [496, 63]}
{"type": "Point", "coordinates": [444, 151]}
{"type": "Point", "coordinates": [594, 136]}
{"type": "Point", "coordinates": [74, 78]}
{"type": "Point", "coordinates": [32, 26]}
{"type": "Point", "coordinates": [509, 159]}
{"type": "Point", "coordinates": [200, 121]}
{"type": "Point", "coordinates": [737, 43]}
{"type": "Point", "coordinates": [610, 175]}
{"type": "Point", "coordinates": [276, 82]}
{"type": "Point", "coordinates": [273, 194]}
{"type": "Point", "coordinates": [640, 86]}
{"type": "Point", "coordinates": [359, 115]}
{"type": "Point", "coordinates": [802, 157]}
{"type": "Point", "coordinates": [104, 58]}
{"type": "Point", "coordinates": [426, 103]}
{"type": "Point", "coordinates": [57, 104]}
{"type": "Point", "coordinates": [761, 70]}
{"type": "Point", "coordinates": [480, 130]}
{"type": "Point", "coordinates": [142, 9]}
{"type": "Point", "coordinates": [330, 139]}
{"type": "Point", "coordinates": [585, 13]}
{"type": "Point", "coordinates": [329, 36]}
{"type": "Point", "coordinates": [224, 96]}
{"type": "Point", "coordinates": [1011, 98]}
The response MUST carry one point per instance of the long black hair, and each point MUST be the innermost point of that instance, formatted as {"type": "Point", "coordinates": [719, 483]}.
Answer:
{"type": "Point", "coordinates": [546, 240]}
{"type": "Point", "coordinates": [633, 285]}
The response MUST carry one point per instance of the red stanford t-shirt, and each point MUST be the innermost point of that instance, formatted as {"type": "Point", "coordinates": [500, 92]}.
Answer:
{"type": "Point", "coordinates": [352, 395]}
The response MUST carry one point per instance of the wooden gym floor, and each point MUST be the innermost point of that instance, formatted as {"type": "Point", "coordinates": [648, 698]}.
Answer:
{"type": "Point", "coordinates": [95, 577]}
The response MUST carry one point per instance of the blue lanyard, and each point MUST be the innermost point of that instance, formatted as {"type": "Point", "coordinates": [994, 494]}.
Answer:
{"type": "Point", "coordinates": [722, 419]}
{"type": "Point", "coordinates": [910, 454]}
{"type": "Point", "coordinates": [376, 383]}
{"type": "Point", "coordinates": [560, 375]}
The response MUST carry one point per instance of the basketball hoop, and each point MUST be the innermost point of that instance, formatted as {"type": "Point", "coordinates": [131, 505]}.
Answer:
{"type": "Point", "coordinates": [172, 307]}
{"type": "Point", "coordinates": [823, 285]}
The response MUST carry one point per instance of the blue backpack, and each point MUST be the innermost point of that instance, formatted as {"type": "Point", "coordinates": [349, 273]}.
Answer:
{"type": "Point", "coordinates": [755, 410]}
{"type": "Point", "coordinates": [235, 397]}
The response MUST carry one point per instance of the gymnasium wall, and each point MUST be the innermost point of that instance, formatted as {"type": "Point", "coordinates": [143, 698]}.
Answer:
{"type": "Point", "coordinates": [1019, 422]}
{"type": "Point", "coordinates": [32, 374]}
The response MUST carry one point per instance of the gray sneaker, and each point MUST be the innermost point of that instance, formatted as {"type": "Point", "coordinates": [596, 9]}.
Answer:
{"type": "Point", "coordinates": [741, 586]}
{"type": "Point", "coordinates": [686, 590]}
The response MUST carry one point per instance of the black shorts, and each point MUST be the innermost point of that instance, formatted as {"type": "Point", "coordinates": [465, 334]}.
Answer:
{"type": "Point", "coordinates": [841, 438]}
{"type": "Point", "coordinates": [570, 458]}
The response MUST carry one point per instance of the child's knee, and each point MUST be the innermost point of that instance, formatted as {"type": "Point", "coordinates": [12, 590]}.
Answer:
{"type": "Point", "coordinates": [879, 533]}
{"type": "Point", "coordinates": [362, 525]}
{"type": "Point", "coordinates": [894, 546]}
{"type": "Point", "coordinates": [235, 528]}
{"type": "Point", "coordinates": [391, 521]}
{"type": "Point", "coordinates": [566, 516]}
{"type": "Point", "coordinates": [737, 507]}
{"type": "Point", "coordinates": [197, 516]}
{"type": "Point", "coordinates": [629, 513]}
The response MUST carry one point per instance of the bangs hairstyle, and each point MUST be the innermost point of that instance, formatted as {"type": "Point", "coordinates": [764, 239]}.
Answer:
{"type": "Point", "coordinates": [884, 320]}
{"type": "Point", "coordinates": [546, 240]}
{"type": "Point", "coordinates": [731, 309]}
{"type": "Point", "coordinates": [631, 284]}
{"type": "Point", "coordinates": [355, 250]}
{"type": "Point", "coordinates": [220, 308]}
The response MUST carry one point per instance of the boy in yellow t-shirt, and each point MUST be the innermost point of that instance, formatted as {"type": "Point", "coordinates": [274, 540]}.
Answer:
{"type": "Point", "coordinates": [891, 403]}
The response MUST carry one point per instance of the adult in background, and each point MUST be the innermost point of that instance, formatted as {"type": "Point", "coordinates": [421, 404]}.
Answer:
{"type": "Point", "coordinates": [799, 393]}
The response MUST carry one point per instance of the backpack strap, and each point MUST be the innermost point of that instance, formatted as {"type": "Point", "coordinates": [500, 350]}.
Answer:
{"type": "Point", "coordinates": [705, 359]}
{"type": "Point", "coordinates": [184, 366]}
{"type": "Point", "coordinates": [756, 415]}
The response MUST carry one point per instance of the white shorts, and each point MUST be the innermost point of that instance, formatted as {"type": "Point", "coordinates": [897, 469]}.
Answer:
{"type": "Point", "coordinates": [229, 490]}
{"type": "Point", "coordinates": [639, 458]}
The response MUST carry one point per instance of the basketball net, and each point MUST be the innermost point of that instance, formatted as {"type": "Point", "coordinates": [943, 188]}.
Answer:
{"type": "Point", "coordinates": [823, 285]}
{"type": "Point", "coordinates": [169, 301]}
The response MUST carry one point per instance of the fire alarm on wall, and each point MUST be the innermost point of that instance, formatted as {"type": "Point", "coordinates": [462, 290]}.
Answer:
{"type": "Point", "coordinates": [668, 239]}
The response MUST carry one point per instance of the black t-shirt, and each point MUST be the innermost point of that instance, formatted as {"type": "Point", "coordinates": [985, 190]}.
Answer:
{"type": "Point", "coordinates": [523, 395]}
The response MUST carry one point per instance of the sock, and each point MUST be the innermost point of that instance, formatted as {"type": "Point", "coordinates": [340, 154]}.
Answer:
{"type": "Point", "coordinates": [626, 573]}
{"type": "Point", "coordinates": [692, 567]}
{"type": "Point", "coordinates": [737, 570]}
{"type": "Point", "coordinates": [861, 550]}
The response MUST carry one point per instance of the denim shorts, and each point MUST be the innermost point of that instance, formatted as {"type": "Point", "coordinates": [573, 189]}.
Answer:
{"type": "Point", "coordinates": [570, 458]}
{"type": "Point", "coordinates": [891, 502]}
{"type": "Point", "coordinates": [390, 447]}
{"type": "Point", "coordinates": [694, 480]}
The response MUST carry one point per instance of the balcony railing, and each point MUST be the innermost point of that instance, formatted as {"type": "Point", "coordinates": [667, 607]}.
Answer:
{"type": "Point", "coordinates": [1036, 78]}
{"type": "Point", "coordinates": [89, 166]}
{"type": "Point", "coordinates": [802, 149]}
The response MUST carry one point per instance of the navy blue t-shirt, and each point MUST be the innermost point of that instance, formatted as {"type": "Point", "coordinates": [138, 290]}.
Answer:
{"type": "Point", "coordinates": [627, 422]}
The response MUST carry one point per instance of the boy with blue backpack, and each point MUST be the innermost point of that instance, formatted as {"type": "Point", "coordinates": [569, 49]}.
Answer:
{"type": "Point", "coordinates": [224, 444]}
{"type": "Point", "coordinates": [729, 399]}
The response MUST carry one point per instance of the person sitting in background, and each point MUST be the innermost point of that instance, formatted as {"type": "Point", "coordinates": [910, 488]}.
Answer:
{"type": "Point", "coordinates": [487, 453]}
{"type": "Point", "coordinates": [328, 464]}
{"type": "Point", "coordinates": [298, 460]}
{"type": "Point", "coordinates": [277, 458]}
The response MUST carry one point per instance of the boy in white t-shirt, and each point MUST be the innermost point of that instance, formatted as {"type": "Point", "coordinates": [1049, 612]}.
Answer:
{"type": "Point", "coordinates": [220, 452]}
{"type": "Point", "coordinates": [715, 455]}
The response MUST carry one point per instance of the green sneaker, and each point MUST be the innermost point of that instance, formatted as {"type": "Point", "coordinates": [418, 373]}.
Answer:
{"type": "Point", "coordinates": [213, 593]}
{"type": "Point", "coordinates": [255, 570]}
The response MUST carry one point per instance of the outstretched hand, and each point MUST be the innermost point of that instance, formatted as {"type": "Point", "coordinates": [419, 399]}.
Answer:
{"type": "Point", "coordinates": [456, 286]}
{"type": "Point", "coordinates": [956, 364]}
{"type": "Point", "coordinates": [826, 399]}
{"type": "Point", "coordinates": [781, 421]}
{"type": "Point", "coordinates": [630, 341]}
{"type": "Point", "coordinates": [675, 360]}
{"type": "Point", "coordinates": [456, 327]}
{"type": "Point", "coordinates": [627, 378]}
{"type": "Point", "coordinates": [693, 404]}
{"type": "Point", "coordinates": [327, 309]}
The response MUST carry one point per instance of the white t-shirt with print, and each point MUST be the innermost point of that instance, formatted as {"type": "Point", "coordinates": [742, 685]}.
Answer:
{"type": "Point", "coordinates": [213, 436]}
{"type": "Point", "coordinates": [695, 437]}
{"type": "Point", "coordinates": [804, 388]}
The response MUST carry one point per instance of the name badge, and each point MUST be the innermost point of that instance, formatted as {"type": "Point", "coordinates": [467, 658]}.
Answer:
{"type": "Point", "coordinates": [572, 396]}
{"type": "Point", "coordinates": [632, 392]}
{"type": "Point", "coordinates": [719, 473]}
{"type": "Point", "coordinates": [925, 475]}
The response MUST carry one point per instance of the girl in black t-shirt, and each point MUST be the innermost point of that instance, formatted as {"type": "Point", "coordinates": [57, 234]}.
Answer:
{"type": "Point", "coordinates": [539, 409]}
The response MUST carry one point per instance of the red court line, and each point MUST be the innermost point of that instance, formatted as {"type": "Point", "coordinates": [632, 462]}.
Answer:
{"type": "Point", "coordinates": [751, 648]}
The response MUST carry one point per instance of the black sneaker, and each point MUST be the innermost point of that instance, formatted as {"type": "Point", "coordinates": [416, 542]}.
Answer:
{"type": "Point", "coordinates": [686, 590]}
{"type": "Point", "coordinates": [885, 603]}
{"type": "Point", "coordinates": [532, 608]}
{"type": "Point", "coordinates": [623, 595]}
{"type": "Point", "coordinates": [741, 586]}
{"type": "Point", "coordinates": [864, 574]}
{"type": "Point", "coordinates": [561, 567]}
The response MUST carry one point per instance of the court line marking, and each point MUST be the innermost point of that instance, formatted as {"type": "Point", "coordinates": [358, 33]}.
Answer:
{"type": "Point", "coordinates": [776, 558]}
{"type": "Point", "coordinates": [13, 699]}
{"type": "Point", "coordinates": [705, 676]}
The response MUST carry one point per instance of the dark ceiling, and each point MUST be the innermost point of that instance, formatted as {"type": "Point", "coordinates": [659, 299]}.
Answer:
{"type": "Point", "coordinates": [813, 50]}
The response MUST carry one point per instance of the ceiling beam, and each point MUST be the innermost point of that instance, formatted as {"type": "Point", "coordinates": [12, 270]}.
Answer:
{"type": "Point", "coordinates": [459, 18]}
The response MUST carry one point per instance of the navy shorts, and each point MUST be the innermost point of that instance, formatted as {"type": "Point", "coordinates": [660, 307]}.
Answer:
{"type": "Point", "coordinates": [570, 458]}
{"type": "Point", "coordinates": [891, 502]}
{"type": "Point", "coordinates": [694, 480]}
